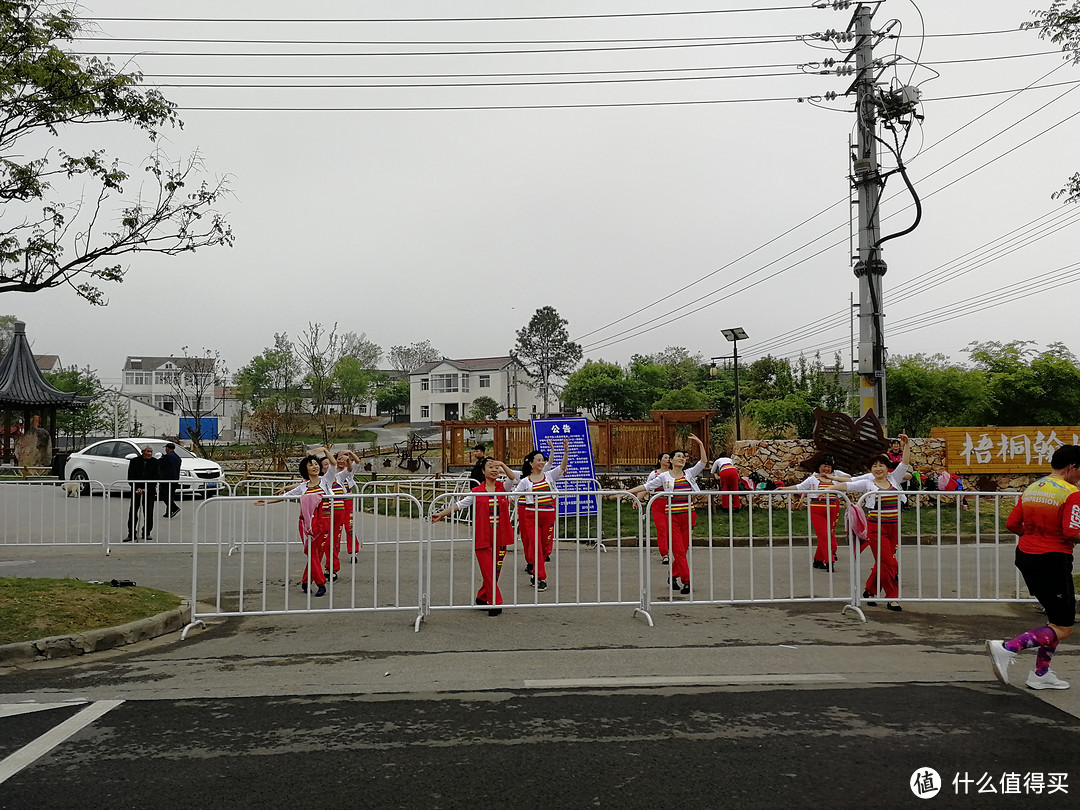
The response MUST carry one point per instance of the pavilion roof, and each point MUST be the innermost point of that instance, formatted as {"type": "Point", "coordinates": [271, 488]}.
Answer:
{"type": "Point", "coordinates": [23, 384]}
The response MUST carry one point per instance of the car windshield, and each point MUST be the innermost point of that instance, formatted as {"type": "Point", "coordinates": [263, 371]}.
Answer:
{"type": "Point", "coordinates": [159, 450]}
{"type": "Point", "coordinates": [158, 446]}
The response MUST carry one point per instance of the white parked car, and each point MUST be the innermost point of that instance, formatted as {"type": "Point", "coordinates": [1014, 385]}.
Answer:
{"type": "Point", "coordinates": [107, 461]}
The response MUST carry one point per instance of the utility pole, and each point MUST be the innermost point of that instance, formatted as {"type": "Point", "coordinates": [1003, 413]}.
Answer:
{"type": "Point", "coordinates": [866, 181]}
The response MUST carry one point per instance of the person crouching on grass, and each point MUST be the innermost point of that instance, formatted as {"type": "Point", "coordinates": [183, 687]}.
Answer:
{"type": "Point", "coordinates": [493, 530]}
{"type": "Point", "coordinates": [1047, 520]}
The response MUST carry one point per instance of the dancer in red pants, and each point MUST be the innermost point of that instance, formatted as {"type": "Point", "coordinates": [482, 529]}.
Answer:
{"type": "Point", "coordinates": [314, 523]}
{"type": "Point", "coordinates": [724, 469]}
{"type": "Point", "coordinates": [493, 530]}
{"type": "Point", "coordinates": [659, 506]}
{"type": "Point", "coordinates": [883, 521]}
{"type": "Point", "coordinates": [825, 508]}
{"type": "Point", "coordinates": [680, 510]}
{"type": "Point", "coordinates": [347, 463]}
{"type": "Point", "coordinates": [536, 516]}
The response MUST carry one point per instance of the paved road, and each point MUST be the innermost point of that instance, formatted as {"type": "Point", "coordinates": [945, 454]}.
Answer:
{"type": "Point", "coordinates": [556, 747]}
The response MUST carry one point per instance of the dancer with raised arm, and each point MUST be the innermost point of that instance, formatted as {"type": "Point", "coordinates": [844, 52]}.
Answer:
{"type": "Point", "coordinates": [679, 509]}
{"type": "Point", "coordinates": [493, 530]}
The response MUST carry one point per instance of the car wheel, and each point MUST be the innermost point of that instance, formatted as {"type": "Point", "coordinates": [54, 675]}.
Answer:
{"type": "Point", "coordinates": [84, 481]}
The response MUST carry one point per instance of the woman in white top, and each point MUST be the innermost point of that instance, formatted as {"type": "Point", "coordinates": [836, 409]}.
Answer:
{"type": "Point", "coordinates": [824, 509]}
{"type": "Point", "coordinates": [314, 525]}
{"type": "Point", "coordinates": [882, 519]}
{"type": "Point", "coordinates": [659, 507]}
{"type": "Point", "coordinates": [679, 509]}
{"type": "Point", "coordinates": [536, 517]}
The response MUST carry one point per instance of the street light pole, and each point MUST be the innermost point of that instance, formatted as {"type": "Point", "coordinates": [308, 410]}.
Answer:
{"type": "Point", "coordinates": [734, 336]}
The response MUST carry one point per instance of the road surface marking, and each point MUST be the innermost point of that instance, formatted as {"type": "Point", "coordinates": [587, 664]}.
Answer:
{"type": "Point", "coordinates": [687, 680]}
{"type": "Point", "coordinates": [50, 739]}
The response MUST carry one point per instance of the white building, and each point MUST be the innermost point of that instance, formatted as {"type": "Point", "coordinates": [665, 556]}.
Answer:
{"type": "Point", "coordinates": [181, 386]}
{"type": "Point", "coordinates": [445, 389]}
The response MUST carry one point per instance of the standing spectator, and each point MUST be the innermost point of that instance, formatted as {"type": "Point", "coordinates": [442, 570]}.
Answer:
{"type": "Point", "coordinates": [1047, 519]}
{"type": "Point", "coordinates": [169, 465]}
{"type": "Point", "coordinates": [477, 472]}
{"type": "Point", "coordinates": [143, 475]}
{"type": "Point", "coordinates": [724, 468]}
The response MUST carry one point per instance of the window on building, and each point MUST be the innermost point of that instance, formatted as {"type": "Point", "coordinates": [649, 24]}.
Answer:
{"type": "Point", "coordinates": [425, 411]}
{"type": "Point", "coordinates": [165, 402]}
{"type": "Point", "coordinates": [425, 384]}
{"type": "Point", "coordinates": [137, 378]}
{"type": "Point", "coordinates": [485, 381]}
{"type": "Point", "coordinates": [166, 377]}
{"type": "Point", "coordinates": [444, 383]}
{"type": "Point", "coordinates": [464, 382]}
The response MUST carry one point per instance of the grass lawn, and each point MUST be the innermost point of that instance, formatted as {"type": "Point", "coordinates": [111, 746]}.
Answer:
{"type": "Point", "coordinates": [36, 608]}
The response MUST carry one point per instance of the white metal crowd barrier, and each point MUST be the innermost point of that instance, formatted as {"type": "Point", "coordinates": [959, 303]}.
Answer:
{"type": "Point", "coordinates": [82, 512]}
{"type": "Point", "coordinates": [36, 513]}
{"type": "Point", "coordinates": [569, 571]}
{"type": "Point", "coordinates": [747, 548]}
{"type": "Point", "coordinates": [950, 547]}
{"type": "Point", "coordinates": [248, 558]}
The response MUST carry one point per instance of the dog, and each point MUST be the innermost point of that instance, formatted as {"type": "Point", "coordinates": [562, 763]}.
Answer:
{"type": "Point", "coordinates": [72, 488]}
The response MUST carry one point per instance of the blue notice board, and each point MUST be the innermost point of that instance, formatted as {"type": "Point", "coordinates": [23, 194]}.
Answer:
{"type": "Point", "coordinates": [580, 471]}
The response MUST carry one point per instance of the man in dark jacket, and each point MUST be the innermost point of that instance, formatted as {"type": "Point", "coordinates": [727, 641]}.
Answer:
{"type": "Point", "coordinates": [142, 473]}
{"type": "Point", "coordinates": [169, 465]}
{"type": "Point", "coordinates": [479, 460]}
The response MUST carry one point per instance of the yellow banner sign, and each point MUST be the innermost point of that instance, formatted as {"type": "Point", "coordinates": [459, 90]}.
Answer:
{"type": "Point", "coordinates": [1003, 450]}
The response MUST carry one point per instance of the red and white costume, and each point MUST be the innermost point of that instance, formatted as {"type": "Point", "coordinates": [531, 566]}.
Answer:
{"type": "Point", "coordinates": [314, 523]}
{"type": "Point", "coordinates": [724, 468]}
{"type": "Point", "coordinates": [825, 508]}
{"type": "Point", "coordinates": [883, 524]}
{"type": "Point", "coordinates": [536, 519]}
{"type": "Point", "coordinates": [493, 532]}
{"type": "Point", "coordinates": [679, 513]}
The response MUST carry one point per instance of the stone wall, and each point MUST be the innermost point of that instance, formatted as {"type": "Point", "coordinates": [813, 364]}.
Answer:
{"type": "Point", "coordinates": [780, 459]}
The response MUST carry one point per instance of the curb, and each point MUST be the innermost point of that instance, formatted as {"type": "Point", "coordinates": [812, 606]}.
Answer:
{"type": "Point", "coordinates": [103, 638]}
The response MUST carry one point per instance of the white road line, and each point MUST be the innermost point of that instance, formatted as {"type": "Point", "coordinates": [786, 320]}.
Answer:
{"type": "Point", "coordinates": [689, 680]}
{"type": "Point", "coordinates": [50, 739]}
{"type": "Point", "coordinates": [12, 709]}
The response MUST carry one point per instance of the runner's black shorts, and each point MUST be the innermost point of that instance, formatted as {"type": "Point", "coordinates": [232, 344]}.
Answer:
{"type": "Point", "coordinates": [1049, 578]}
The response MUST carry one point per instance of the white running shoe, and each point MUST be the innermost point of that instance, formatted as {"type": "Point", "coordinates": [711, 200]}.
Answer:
{"type": "Point", "coordinates": [1047, 681]}
{"type": "Point", "coordinates": [1001, 659]}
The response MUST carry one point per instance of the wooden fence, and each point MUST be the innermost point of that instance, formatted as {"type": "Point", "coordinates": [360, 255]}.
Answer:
{"type": "Point", "coordinates": [616, 444]}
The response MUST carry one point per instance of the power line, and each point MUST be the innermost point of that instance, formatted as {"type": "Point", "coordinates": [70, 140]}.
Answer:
{"type": "Point", "coordinates": [294, 21]}
{"type": "Point", "coordinates": [508, 74]}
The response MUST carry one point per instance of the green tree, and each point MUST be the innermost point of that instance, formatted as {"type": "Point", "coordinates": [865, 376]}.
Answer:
{"type": "Point", "coordinates": [545, 351]}
{"type": "Point", "coordinates": [7, 329]}
{"type": "Point", "coordinates": [607, 392]}
{"type": "Point", "coordinates": [484, 408]}
{"type": "Point", "coordinates": [93, 420]}
{"type": "Point", "coordinates": [352, 381]}
{"type": "Point", "coordinates": [928, 391]}
{"type": "Point", "coordinates": [687, 398]}
{"type": "Point", "coordinates": [274, 374]}
{"type": "Point", "coordinates": [394, 396]}
{"type": "Point", "coordinates": [61, 222]}
{"type": "Point", "coordinates": [1026, 386]}
{"type": "Point", "coordinates": [1061, 25]}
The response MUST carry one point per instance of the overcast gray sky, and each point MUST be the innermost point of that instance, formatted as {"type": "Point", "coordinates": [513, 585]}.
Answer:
{"type": "Point", "coordinates": [408, 213]}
